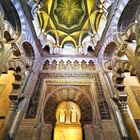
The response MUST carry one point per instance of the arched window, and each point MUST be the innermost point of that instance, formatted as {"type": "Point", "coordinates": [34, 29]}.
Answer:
{"type": "Point", "coordinates": [28, 49]}
{"type": "Point", "coordinates": [68, 49]}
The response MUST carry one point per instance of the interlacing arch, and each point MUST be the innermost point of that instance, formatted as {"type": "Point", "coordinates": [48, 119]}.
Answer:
{"type": "Point", "coordinates": [21, 15]}
{"type": "Point", "coordinates": [125, 34]}
{"type": "Point", "coordinates": [6, 26]}
{"type": "Point", "coordinates": [131, 29]}
{"type": "Point", "coordinates": [123, 66]}
{"type": "Point", "coordinates": [13, 56]}
{"type": "Point", "coordinates": [122, 41]}
{"type": "Point", "coordinates": [8, 37]}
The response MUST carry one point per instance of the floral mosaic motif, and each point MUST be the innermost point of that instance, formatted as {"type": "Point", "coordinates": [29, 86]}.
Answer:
{"type": "Point", "coordinates": [69, 12]}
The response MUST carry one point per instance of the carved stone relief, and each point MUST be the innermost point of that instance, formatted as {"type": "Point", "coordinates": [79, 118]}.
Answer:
{"type": "Point", "coordinates": [68, 65]}
{"type": "Point", "coordinates": [70, 93]}
{"type": "Point", "coordinates": [102, 103]}
{"type": "Point", "coordinates": [34, 100]}
{"type": "Point", "coordinates": [67, 92]}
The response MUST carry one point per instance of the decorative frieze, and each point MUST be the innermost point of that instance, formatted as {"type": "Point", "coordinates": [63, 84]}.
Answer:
{"type": "Point", "coordinates": [33, 104]}
{"type": "Point", "coordinates": [69, 65]}
{"type": "Point", "coordinates": [102, 103]}
{"type": "Point", "coordinates": [69, 75]}
{"type": "Point", "coordinates": [81, 99]}
{"type": "Point", "coordinates": [34, 101]}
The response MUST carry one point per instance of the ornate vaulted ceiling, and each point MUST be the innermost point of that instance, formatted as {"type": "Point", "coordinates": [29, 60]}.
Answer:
{"type": "Point", "coordinates": [68, 20]}
{"type": "Point", "coordinates": [69, 14]}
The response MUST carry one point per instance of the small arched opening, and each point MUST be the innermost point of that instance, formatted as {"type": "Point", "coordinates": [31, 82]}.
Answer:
{"type": "Point", "coordinates": [28, 49]}
{"type": "Point", "coordinates": [90, 50]}
{"type": "Point", "coordinates": [29, 53]}
{"type": "Point", "coordinates": [68, 48]}
{"type": "Point", "coordinates": [46, 49]}
{"type": "Point", "coordinates": [7, 36]}
{"type": "Point", "coordinates": [109, 50]}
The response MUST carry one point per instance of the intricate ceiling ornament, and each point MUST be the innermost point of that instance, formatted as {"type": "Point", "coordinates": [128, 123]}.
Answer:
{"type": "Point", "coordinates": [69, 20]}
{"type": "Point", "coordinates": [69, 13]}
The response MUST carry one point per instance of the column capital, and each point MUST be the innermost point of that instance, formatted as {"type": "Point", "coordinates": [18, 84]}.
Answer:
{"type": "Point", "coordinates": [121, 101]}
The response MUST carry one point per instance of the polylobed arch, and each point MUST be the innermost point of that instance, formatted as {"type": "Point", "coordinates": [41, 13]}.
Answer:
{"type": "Point", "coordinates": [109, 50]}
{"type": "Point", "coordinates": [7, 36]}
{"type": "Point", "coordinates": [28, 50]}
{"type": "Point", "coordinates": [8, 31]}
{"type": "Point", "coordinates": [16, 65]}
{"type": "Point", "coordinates": [132, 37]}
{"type": "Point", "coordinates": [13, 17]}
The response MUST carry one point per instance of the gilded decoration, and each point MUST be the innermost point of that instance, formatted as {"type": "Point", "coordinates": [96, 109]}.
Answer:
{"type": "Point", "coordinates": [68, 20]}
{"type": "Point", "coordinates": [68, 91]}
{"type": "Point", "coordinates": [68, 122]}
{"type": "Point", "coordinates": [69, 13]}
{"type": "Point", "coordinates": [69, 65]}
{"type": "Point", "coordinates": [68, 112]}
{"type": "Point", "coordinates": [102, 103]}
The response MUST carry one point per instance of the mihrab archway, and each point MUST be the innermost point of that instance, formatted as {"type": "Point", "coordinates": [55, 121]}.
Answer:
{"type": "Point", "coordinates": [70, 93]}
{"type": "Point", "coordinates": [67, 94]}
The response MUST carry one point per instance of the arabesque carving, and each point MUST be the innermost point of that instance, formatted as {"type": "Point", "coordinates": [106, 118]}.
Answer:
{"type": "Point", "coordinates": [75, 66]}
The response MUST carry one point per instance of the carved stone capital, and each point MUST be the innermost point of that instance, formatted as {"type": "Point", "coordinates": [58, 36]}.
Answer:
{"type": "Point", "coordinates": [122, 105]}
{"type": "Point", "coordinates": [15, 99]}
{"type": "Point", "coordinates": [13, 105]}
{"type": "Point", "coordinates": [121, 101]}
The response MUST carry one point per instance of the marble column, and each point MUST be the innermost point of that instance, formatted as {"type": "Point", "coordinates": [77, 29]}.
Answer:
{"type": "Point", "coordinates": [130, 124]}
{"type": "Point", "coordinates": [120, 98]}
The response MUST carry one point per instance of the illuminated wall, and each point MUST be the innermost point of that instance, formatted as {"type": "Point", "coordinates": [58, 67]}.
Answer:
{"type": "Point", "coordinates": [133, 90]}
{"type": "Point", "coordinates": [68, 126]}
{"type": "Point", "coordinates": [5, 89]}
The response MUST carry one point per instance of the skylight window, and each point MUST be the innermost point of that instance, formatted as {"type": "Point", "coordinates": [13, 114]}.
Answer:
{"type": "Point", "coordinates": [68, 49]}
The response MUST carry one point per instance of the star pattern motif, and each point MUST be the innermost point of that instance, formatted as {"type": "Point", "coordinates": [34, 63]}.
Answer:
{"type": "Point", "coordinates": [69, 12]}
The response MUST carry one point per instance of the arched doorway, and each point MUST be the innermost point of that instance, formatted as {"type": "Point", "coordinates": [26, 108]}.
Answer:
{"type": "Point", "coordinates": [60, 94]}
{"type": "Point", "coordinates": [68, 125]}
